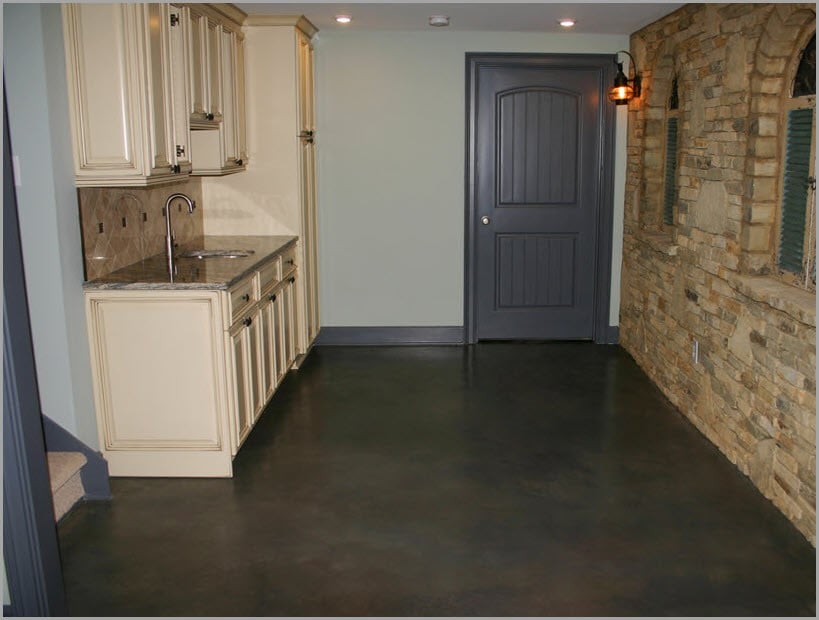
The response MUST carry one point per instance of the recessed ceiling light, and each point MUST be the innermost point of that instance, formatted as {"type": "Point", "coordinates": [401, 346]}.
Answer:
{"type": "Point", "coordinates": [438, 20]}
{"type": "Point", "coordinates": [343, 19]}
{"type": "Point", "coordinates": [566, 23]}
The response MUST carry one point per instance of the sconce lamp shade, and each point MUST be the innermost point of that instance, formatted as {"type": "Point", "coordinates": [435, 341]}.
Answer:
{"type": "Point", "coordinates": [624, 89]}
{"type": "Point", "coordinates": [621, 92]}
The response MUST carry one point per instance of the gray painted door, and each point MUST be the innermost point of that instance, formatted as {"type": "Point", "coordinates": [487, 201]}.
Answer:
{"type": "Point", "coordinates": [538, 133]}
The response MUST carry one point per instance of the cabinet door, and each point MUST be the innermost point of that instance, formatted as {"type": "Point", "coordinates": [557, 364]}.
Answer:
{"type": "Point", "coordinates": [256, 386]}
{"type": "Point", "coordinates": [214, 75]}
{"type": "Point", "coordinates": [306, 83]}
{"type": "Point", "coordinates": [309, 296]}
{"type": "Point", "coordinates": [242, 404]}
{"type": "Point", "coordinates": [309, 241]}
{"type": "Point", "coordinates": [180, 67]}
{"type": "Point", "coordinates": [289, 320]}
{"type": "Point", "coordinates": [198, 52]}
{"type": "Point", "coordinates": [241, 109]}
{"type": "Point", "coordinates": [118, 71]}
{"type": "Point", "coordinates": [271, 339]}
{"type": "Point", "coordinates": [157, 21]}
{"type": "Point", "coordinates": [229, 104]}
{"type": "Point", "coordinates": [268, 379]}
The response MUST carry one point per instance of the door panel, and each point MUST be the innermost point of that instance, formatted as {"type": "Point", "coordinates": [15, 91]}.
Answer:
{"type": "Point", "coordinates": [535, 270]}
{"type": "Point", "coordinates": [538, 134]}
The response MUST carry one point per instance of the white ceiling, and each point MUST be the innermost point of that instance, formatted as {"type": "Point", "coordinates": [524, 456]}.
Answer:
{"type": "Point", "coordinates": [592, 18]}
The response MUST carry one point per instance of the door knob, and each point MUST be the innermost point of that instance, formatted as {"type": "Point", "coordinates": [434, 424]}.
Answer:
{"type": "Point", "coordinates": [485, 220]}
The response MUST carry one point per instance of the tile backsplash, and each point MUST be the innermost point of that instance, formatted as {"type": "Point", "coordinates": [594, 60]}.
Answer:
{"type": "Point", "coordinates": [123, 225]}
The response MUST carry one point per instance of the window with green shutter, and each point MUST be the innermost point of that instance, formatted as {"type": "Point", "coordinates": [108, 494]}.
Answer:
{"type": "Point", "coordinates": [796, 247]}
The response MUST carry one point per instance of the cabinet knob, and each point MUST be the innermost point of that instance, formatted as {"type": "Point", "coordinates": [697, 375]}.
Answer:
{"type": "Point", "coordinates": [209, 116]}
{"type": "Point", "coordinates": [180, 150]}
{"type": "Point", "coordinates": [291, 280]}
{"type": "Point", "coordinates": [246, 297]}
{"type": "Point", "coordinates": [272, 298]}
{"type": "Point", "coordinates": [176, 169]}
{"type": "Point", "coordinates": [239, 162]}
{"type": "Point", "coordinates": [247, 322]}
{"type": "Point", "coordinates": [292, 261]}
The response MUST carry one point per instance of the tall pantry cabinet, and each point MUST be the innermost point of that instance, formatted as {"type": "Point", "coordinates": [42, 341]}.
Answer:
{"type": "Point", "coordinates": [282, 134]}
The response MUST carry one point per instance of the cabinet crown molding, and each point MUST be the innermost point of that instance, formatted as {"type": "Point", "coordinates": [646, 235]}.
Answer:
{"type": "Point", "coordinates": [220, 12]}
{"type": "Point", "coordinates": [299, 21]}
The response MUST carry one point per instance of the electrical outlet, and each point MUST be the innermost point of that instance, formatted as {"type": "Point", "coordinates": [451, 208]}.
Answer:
{"type": "Point", "coordinates": [695, 351]}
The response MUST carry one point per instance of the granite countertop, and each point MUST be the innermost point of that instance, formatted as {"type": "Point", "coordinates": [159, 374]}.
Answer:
{"type": "Point", "coordinates": [195, 273]}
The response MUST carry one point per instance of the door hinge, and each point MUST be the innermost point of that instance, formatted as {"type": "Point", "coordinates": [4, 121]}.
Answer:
{"type": "Point", "coordinates": [174, 20]}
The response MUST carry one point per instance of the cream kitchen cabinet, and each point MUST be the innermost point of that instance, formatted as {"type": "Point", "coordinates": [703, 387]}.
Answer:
{"type": "Point", "coordinates": [124, 90]}
{"type": "Point", "coordinates": [217, 88]}
{"type": "Point", "coordinates": [204, 82]}
{"type": "Point", "coordinates": [307, 123]}
{"type": "Point", "coordinates": [181, 375]}
{"type": "Point", "coordinates": [140, 76]}
{"type": "Point", "coordinates": [281, 74]}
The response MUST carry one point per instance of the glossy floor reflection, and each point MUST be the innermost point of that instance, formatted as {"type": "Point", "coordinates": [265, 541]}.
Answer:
{"type": "Point", "coordinates": [500, 479]}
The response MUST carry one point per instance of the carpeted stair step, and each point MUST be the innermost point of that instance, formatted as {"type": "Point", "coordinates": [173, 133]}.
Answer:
{"type": "Point", "coordinates": [66, 483]}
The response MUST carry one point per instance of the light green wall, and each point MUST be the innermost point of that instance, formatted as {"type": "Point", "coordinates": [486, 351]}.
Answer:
{"type": "Point", "coordinates": [391, 109]}
{"type": "Point", "coordinates": [36, 91]}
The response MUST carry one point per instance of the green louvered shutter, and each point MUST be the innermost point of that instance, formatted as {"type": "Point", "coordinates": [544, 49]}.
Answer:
{"type": "Point", "coordinates": [795, 189]}
{"type": "Point", "coordinates": [669, 189]}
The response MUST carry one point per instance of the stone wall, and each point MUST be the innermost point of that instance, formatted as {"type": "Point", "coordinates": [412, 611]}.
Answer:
{"type": "Point", "coordinates": [711, 278]}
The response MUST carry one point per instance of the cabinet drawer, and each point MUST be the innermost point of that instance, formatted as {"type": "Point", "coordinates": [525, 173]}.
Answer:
{"type": "Point", "coordinates": [289, 260]}
{"type": "Point", "coordinates": [242, 296]}
{"type": "Point", "coordinates": [270, 274]}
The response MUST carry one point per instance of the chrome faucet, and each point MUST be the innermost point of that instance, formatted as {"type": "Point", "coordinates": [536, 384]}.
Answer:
{"type": "Point", "coordinates": [169, 238]}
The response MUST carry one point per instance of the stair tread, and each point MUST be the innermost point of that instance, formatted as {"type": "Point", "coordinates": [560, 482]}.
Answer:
{"type": "Point", "coordinates": [63, 465]}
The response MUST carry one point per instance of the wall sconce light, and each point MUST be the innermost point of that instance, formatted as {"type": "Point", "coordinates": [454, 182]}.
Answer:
{"type": "Point", "coordinates": [624, 89]}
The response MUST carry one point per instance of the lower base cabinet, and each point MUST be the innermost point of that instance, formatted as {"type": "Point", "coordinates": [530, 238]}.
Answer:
{"type": "Point", "coordinates": [181, 376]}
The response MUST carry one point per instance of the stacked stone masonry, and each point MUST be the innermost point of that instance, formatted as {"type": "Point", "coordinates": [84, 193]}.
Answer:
{"type": "Point", "coordinates": [711, 277]}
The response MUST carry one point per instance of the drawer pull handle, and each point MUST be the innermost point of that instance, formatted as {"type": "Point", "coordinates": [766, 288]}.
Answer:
{"type": "Point", "coordinates": [272, 298]}
{"type": "Point", "coordinates": [246, 297]}
{"type": "Point", "coordinates": [247, 322]}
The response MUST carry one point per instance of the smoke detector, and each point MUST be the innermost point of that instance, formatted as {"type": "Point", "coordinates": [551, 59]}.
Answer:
{"type": "Point", "coordinates": [438, 20]}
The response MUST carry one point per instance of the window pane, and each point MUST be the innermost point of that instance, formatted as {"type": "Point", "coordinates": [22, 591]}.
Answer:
{"type": "Point", "coordinates": [805, 82]}
{"type": "Point", "coordinates": [674, 99]}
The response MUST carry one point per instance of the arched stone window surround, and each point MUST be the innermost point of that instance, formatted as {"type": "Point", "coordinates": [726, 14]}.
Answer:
{"type": "Point", "coordinates": [786, 32]}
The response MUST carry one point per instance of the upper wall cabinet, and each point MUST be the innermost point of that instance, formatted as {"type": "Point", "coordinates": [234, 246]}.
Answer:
{"type": "Point", "coordinates": [123, 93]}
{"type": "Point", "coordinates": [140, 77]}
{"type": "Point", "coordinates": [217, 89]}
{"type": "Point", "coordinates": [205, 83]}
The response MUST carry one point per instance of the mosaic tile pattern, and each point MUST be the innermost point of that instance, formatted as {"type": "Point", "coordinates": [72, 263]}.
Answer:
{"type": "Point", "coordinates": [124, 225]}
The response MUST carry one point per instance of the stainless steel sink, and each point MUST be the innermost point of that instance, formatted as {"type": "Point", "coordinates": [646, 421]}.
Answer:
{"type": "Point", "coordinates": [215, 254]}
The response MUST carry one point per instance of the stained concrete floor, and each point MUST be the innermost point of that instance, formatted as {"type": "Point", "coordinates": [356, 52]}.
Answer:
{"type": "Point", "coordinates": [501, 479]}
